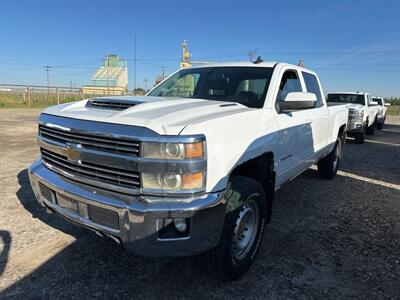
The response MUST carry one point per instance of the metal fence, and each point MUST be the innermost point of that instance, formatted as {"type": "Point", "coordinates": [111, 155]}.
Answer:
{"type": "Point", "coordinates": [21, 95]}
{"type": "Point", "coordinates": [18, 94]}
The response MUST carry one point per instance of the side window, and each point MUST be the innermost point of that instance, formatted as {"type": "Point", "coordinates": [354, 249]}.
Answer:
{"type": "Point", "coordinates": [313, 87]}
{"type": "Point", "coordinates": [369, 100]}
{"type": "Point", "coordinates": [289, 83]}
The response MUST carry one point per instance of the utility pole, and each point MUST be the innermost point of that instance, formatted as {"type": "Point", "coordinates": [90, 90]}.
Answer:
{"type": "Point", "coordinates": [70, 85]}
{"type": "Point", "coordinates": [163, 72]}
{"type": "Point", "coordinates": [145, 84]}
{"type": "Point", "coordinates": [108, 85]}
{"type": "Point", "coordinates": [134, 67]}
{"type": "Point", "coordinates": [47, 69]}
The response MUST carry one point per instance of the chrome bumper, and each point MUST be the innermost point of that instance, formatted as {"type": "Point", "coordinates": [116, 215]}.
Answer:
{"type": "Point", "coordinates": [355, 126]}
{"type": "Point", "coordinates": [140, 220]}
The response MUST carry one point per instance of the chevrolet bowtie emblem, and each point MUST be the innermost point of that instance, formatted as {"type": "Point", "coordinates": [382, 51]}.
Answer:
{"type": "Point", "coordinates": [71, 153]}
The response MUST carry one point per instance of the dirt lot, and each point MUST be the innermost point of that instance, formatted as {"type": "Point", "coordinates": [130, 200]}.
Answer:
{"type": "Point", "coordinates": [331, 239]}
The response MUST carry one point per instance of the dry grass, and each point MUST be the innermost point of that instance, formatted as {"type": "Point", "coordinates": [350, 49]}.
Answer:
{"type": "Point", "coordinates": [36, 100]}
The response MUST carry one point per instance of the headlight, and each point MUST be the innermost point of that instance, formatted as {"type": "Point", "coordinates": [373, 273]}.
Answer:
{"type": "Point", "coordinates": [173, 182]}
{"type": "Point", "coordinates": [179, 166]}
{"type": "Point", "coordinates": [356, 115]}
{"type": "Point", "coordinates": [177, 151]}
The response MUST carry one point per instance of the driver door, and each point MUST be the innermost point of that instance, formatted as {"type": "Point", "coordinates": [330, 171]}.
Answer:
{"type": "Point", "coordinates": [295, 140]}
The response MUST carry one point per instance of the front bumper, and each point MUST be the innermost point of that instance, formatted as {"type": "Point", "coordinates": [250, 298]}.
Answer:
{"type": "Point", "coordinates": [139, 220]}
{"type": "Point", "coordinates": [355, 127]}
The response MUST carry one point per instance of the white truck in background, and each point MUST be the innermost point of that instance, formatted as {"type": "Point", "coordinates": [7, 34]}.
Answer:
{"type": "Point", "coordinates": [363, 113]}
{"type": "Point", "coordinates": [191, 167]}
{"type": "Point", "coordinates": [382, 106]}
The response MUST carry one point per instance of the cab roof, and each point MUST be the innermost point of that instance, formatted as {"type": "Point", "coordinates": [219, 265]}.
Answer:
{"type": "Point", "coordinates": [349, 93]}
{"type": "Point", "coordinates": [264, 64]}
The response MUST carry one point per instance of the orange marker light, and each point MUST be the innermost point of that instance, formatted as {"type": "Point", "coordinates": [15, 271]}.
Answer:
{"type": "Point", "coordinates": [194, 150]}
{"type": "Point", "coordinates": [192, 181]}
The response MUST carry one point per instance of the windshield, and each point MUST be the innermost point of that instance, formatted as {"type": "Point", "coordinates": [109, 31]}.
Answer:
{"type": "Point", "coordinates": [347, 98]}
{"type": "Point", "coordinates": [245, 85]}
{"type": "Point", "coordinates": [379, 100]}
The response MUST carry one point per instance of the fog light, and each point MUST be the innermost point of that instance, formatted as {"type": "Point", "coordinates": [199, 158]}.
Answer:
{"type": "Point", "coordinates": [180, 224]}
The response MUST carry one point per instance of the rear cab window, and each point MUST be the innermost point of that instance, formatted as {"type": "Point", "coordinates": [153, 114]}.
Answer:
{"type": "Point", "coordinates": [346, 98]}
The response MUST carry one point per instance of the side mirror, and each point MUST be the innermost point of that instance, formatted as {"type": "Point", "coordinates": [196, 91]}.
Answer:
{"type": "Point", "coordinates": [387, 104]}
{"type": "Point", "coordinates": [298, 100]}
{"type": "Point", "coordinates": [373, 103]}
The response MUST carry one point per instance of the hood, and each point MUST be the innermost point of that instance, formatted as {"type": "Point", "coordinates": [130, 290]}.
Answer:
{"type": "Point", "coordinates": [160, 114]}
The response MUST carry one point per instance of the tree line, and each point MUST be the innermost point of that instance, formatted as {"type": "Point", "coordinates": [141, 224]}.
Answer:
{"type": "Point", "coordinates": [393, 100]}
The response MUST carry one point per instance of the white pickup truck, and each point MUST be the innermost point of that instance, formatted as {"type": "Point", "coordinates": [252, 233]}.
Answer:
{"type": "Point", "coordinates": [363, 113]}
{"type": "Point", "coordinates": [381, 118]}
{"type": "Point", "coordinates": [191, 167]}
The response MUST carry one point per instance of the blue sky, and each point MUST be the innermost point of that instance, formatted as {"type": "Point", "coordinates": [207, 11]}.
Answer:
{"type": "Point", "coordinates": [353, 45]}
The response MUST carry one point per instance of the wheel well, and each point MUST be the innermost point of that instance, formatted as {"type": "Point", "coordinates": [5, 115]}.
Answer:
{"type": "Point", "coordinates": [260, 168]}
{"type": "Point", "coordinates": [342, 130]}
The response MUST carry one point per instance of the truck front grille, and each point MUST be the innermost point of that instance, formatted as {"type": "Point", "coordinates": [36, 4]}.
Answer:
{"type": "Point", "coordinates": [89, 170]}
{"type": "Point", "coordinates": [91, 141]}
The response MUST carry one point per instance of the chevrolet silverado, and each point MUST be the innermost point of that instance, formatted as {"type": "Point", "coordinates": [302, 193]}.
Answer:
{"type": "Point", "coordinates": [192, 167]}
{"type": "Point", "coordinates": [363, 113]}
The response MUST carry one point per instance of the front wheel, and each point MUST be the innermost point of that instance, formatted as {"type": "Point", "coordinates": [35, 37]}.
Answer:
{"type": "Point", "coordinates": [243, 229]}
{"type": "Point", "coordinates": [360, 136]}
{"type": "Point", "coordinates": [328, 166]}
{"type": "Point", "coordinates": [379, 126]}
{"type": "Point", "coordinates": [371, 129]}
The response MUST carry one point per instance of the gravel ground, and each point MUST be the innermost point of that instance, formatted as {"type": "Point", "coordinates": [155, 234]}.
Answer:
{"type": "Point", "coordinates": [330, 239]}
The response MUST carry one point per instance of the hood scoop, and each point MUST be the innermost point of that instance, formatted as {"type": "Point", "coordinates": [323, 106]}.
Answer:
{"type": "Point", "coordinates": [115, 104]}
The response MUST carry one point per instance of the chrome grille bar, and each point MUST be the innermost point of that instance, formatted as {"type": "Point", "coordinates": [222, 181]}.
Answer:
{"type": "Point", "coordinates": [101, 173]}
{"type": "Point", "coordinates": [122, 146]}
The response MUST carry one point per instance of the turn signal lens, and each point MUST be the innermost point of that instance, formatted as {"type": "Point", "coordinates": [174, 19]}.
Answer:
{"type": "Point", "coordinates": [194, 150]}
{"type": "Point", "coordinates": [173, 182]}
{"type": "Point", "coordinates": [192, 181]}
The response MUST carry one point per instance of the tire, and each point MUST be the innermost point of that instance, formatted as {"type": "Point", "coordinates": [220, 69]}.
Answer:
{"type": "Point", "coordinates": [328, 166]}
{"type": "Point", "coordinates": [371, 129]}
{"type": "Point", "coordinates": [360, 137]}
{"type": "Point", "coordinates": [379, 126]}
{"type": "Point", "coordinates": [240, 240]}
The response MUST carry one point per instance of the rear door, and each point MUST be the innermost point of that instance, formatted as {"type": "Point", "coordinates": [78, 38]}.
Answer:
{"type": "Point", "coordinates": [318, 117]}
